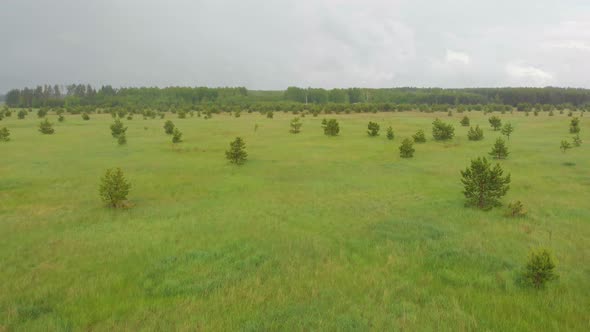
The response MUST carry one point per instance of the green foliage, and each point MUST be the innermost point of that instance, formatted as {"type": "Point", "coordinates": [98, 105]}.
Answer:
{"type": "Point", "coordinates": [61, 118]}
{"type": "Point", "coordinates": [575, 126]}
{"type": "Point", "coordinates": [21, 114]}
{"type": "Point", "coordinates": [577, 140]}
{"type": "Point", "coordinates": [540, 268]}
{"type": "Point", "coordinates": [390, 134]}
{"type": "Point", "coordinates": [85, 116]}
{"type": "Point", "coordinates": [484, 185]}
{"type": "Point", "coordinates": [295, 125]}
{"type": "Point", "coordinates": [169, 127]}
{"type": "Point", "coordinates": [419, 136]}
{"type": "Point", "coordinates": [181, 114]}
{"type": "Point", "coordinates": [46, 127]}
{"type": "Point", "coordinates": [118, 129]}
{"type": "Point", "coordinates": [475, 134]}
{"type": "Point", "coordinates": [565, 145]}
{"type": "Point", "coordinates": [373, 129]}
{"type": "Point", "coordinates": [450, 113]}
{"type": "Point", "coordinates": [406, 149]}
{"type": "Point", "coordinates": [507, 130]}
{"type": "Point", "coordinates": [515, 209]}
{"type": "Point", "coordinates": [122, 139]}
{"type": "Point", "coordinates": [130, 117]}
{"type": "Point", "coordinates": [237, 152]}
{"type": "Point", "coordinates": [41, 113]}
{"type": "Point", "coordinates": [4, 134]}
{"type": "Point", "coordinates": [269, 114]}
{"type": "Point", "coordinates": [114, 188]}
{"type": "Point", "coordinates": [551, 113]}
{"type": "Point", "coordinates": [176, 136]}
{"type": "Point", "coordinates": [495, 122]}
{"type": "Point", "coordinates": [331, 127]}
{"type": "Point", "coordinates": [442, 131]}
{"type": "Point", "coordinates": [499, 150]}
{"type": "Point", "coordinates": [465, 121]}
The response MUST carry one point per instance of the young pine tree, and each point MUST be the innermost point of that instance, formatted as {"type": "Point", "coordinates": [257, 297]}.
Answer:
{"type": "Point", "coordinates": [540, 268]}
{"type": "Point", "coordinates": [475, 134]}
{"type": "Point", "coordinates": [442, 131]}
{"type": "Point", "coordinates": [4, 135]}
{"type": "Point", "coordinates": [577, 140]}
{"type": "Point", "coordinates": [61, 118]}
{"type": "Point", "coordinates": [406, 150]}
{"type": "Point", "coordinates": [21, 114]}
{"type": "Point", "coordinates": [465, 121]}
{"type": "Point", "coordinates": [176, 136]}
{"type": "Point", "coordinates": [373, 129]}
{"type": "Point", "coordinates": [85, 116]}
{"type": "Point", "coordinates": [114, 188]}
{"type": "Point", "coordinates": [565, 145]}
{"type": "Point", "coordinates": [390, 134]}
{"type": "Point", "coordinates": [419, 136]}
{"type": "Point", "coordinates": [46, 127]}
{"type": "Point", "coordinates": [484, 185]}
{"type": "Point", "coordinates": [331, 127]}
{"type": "Point", "coordinates": [169, 127]}
{"type": "Point", "coordinates": [507, 130]}
{"type": "Point", "coordinates": [237, 152]}
{"type": "Point", "coordinates": [499, 150]}
{"type": "Point", "coordinates": [495, 122]}
{"type": "Point", "coordinates": [575, 126]}
{"type": "Point", "coordinates": [117, 128]}
{"type": "Point", "coordinates": [296, 125]}
{"type": "Point", "coordinates": [122, 139]}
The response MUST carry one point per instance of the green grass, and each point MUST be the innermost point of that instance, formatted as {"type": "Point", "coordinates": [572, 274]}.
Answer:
{"type": "Point", "coordinates": [312, 233]}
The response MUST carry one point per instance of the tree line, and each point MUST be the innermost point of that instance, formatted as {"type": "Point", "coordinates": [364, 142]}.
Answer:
{"type": "Point", "coordinates": [107, 96]}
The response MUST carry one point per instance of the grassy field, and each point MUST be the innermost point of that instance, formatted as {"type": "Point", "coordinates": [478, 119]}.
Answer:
{"type": "Point", "coordinates": [312, 233]}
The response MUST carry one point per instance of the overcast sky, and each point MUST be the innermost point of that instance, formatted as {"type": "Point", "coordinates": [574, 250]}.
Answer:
{"type": "Point", "coordinates": [272, 44]}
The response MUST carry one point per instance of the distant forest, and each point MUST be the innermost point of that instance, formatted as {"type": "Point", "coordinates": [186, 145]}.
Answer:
{"type": "Point", "coordinates": [106, 96]}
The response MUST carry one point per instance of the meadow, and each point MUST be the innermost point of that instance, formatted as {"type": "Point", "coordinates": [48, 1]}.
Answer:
{"type": "Point", "coordinates": [311, 233]}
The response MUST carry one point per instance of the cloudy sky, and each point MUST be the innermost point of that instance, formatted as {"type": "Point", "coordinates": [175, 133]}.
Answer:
{"type": "Point", "coordinates": [272, 44]}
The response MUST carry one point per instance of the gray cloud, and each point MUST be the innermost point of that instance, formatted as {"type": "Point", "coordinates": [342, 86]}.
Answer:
{"type": "Point", "coordinates": [273, 44]}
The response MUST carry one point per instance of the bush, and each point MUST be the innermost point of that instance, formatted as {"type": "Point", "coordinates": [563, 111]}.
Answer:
{"type": "Point", "coordinates": [295, 126]}
{"type": "Point", "coordinates": [182, 114]}
{"type": "Point", "coordinates": [442, 131]}
{"type": "Point", "coordinates": [373, 129]}
{"type": "Point", "coordinates": [41, 113]}
{"type": "Point", "coordinates": [406, 150]}
{"type": "Point", "coordinates": [331, 127]}
{"type": "Point", "coordinates": [269, 114]}
{"type": "Point", "coordinates": [21, 114]}
{"type": "Point", "coordinates": [237, 152]}
{"type": "Point", "coordinates": [499, 150]}
{"type": "Point", "coordinates": [484, 185]}
{"type": "Point", "coordinates": [475, 134]}
{"type": "Point", "coordinates": [495, 122]}
{"type": "Point", "coordinates": [114, 188]}
{"type": "Point", "coordinates": [465, 121]}
{"type": "Point", "coordinates": [390, 134]}
{"type": "Point", "coordinates": [117, 128]}
{"type": "Point", "coordinates": [515, 209]}
{"type": "Point", "coordinates": [61, 118]}
{"type": "Point", "coordinates": [4, 135]}
{"type": "Point", "coordinates": [176, 136]}
{"type": "Point", "coordinates": [46, 127]}
{"type": "Point", "coordinates": [85, 116]}
{"type": "Point", "coordinates": [169, 127]}
{"type": "Point", "coordinates": [419, 136]}
{"type": "Point", "coordinates": [540, 268]}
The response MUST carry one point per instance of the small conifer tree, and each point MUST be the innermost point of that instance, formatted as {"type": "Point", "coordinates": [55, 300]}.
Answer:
{"type": "Point", "coordinates": [176, 136]}
{"type": "Point", "coordinates": [419, 136]}
{"type": "Point", "coordinates": [540, 268]}
{"type": "Point", "coordinates": [331, 127]}
{"type": "Point", "coordinates": [169, 127]}
{"type": "Point", "coordinates": [577, 140]}
{"type": "Point", "coordinates": [390, 134]}
{"type": "Point", "coordinates": [565, 145]}
{"type": "Point", "coordinates": [499, 150]}
{"type": "Point", "coordinates": [465, 121]}
{"type": "Point", "coordinates": [495, 122]}
{"type": "Point", "coordinates": [442, 131]}
{"type": "Point", "coordinates": [507, 130]}
{"type": "Point", "coordinates": [406, 149]}
{"type": "Point", "coordinates": [295, 125]}
{"type": "Point", "coordinates": [85, 116]}
{"type": "Point", "coordinates": [484, 185]}
{"type": "Point", "coordinates": [114, 188]}
{"type": "Point", "coordinates": [46, 127]}
{"type": "Point", "coordinates": [373, 129]}
{"type": "Point", "coordinates": [475, 134]}
{"type": "Point", "coordinates": [575, 126]}
{"type": "Point", "coordinates": [4, 134]}
{"type": "Point", "coordinates": [237, 152]}
{"type": "Point", "coordinates": [117, 128]}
